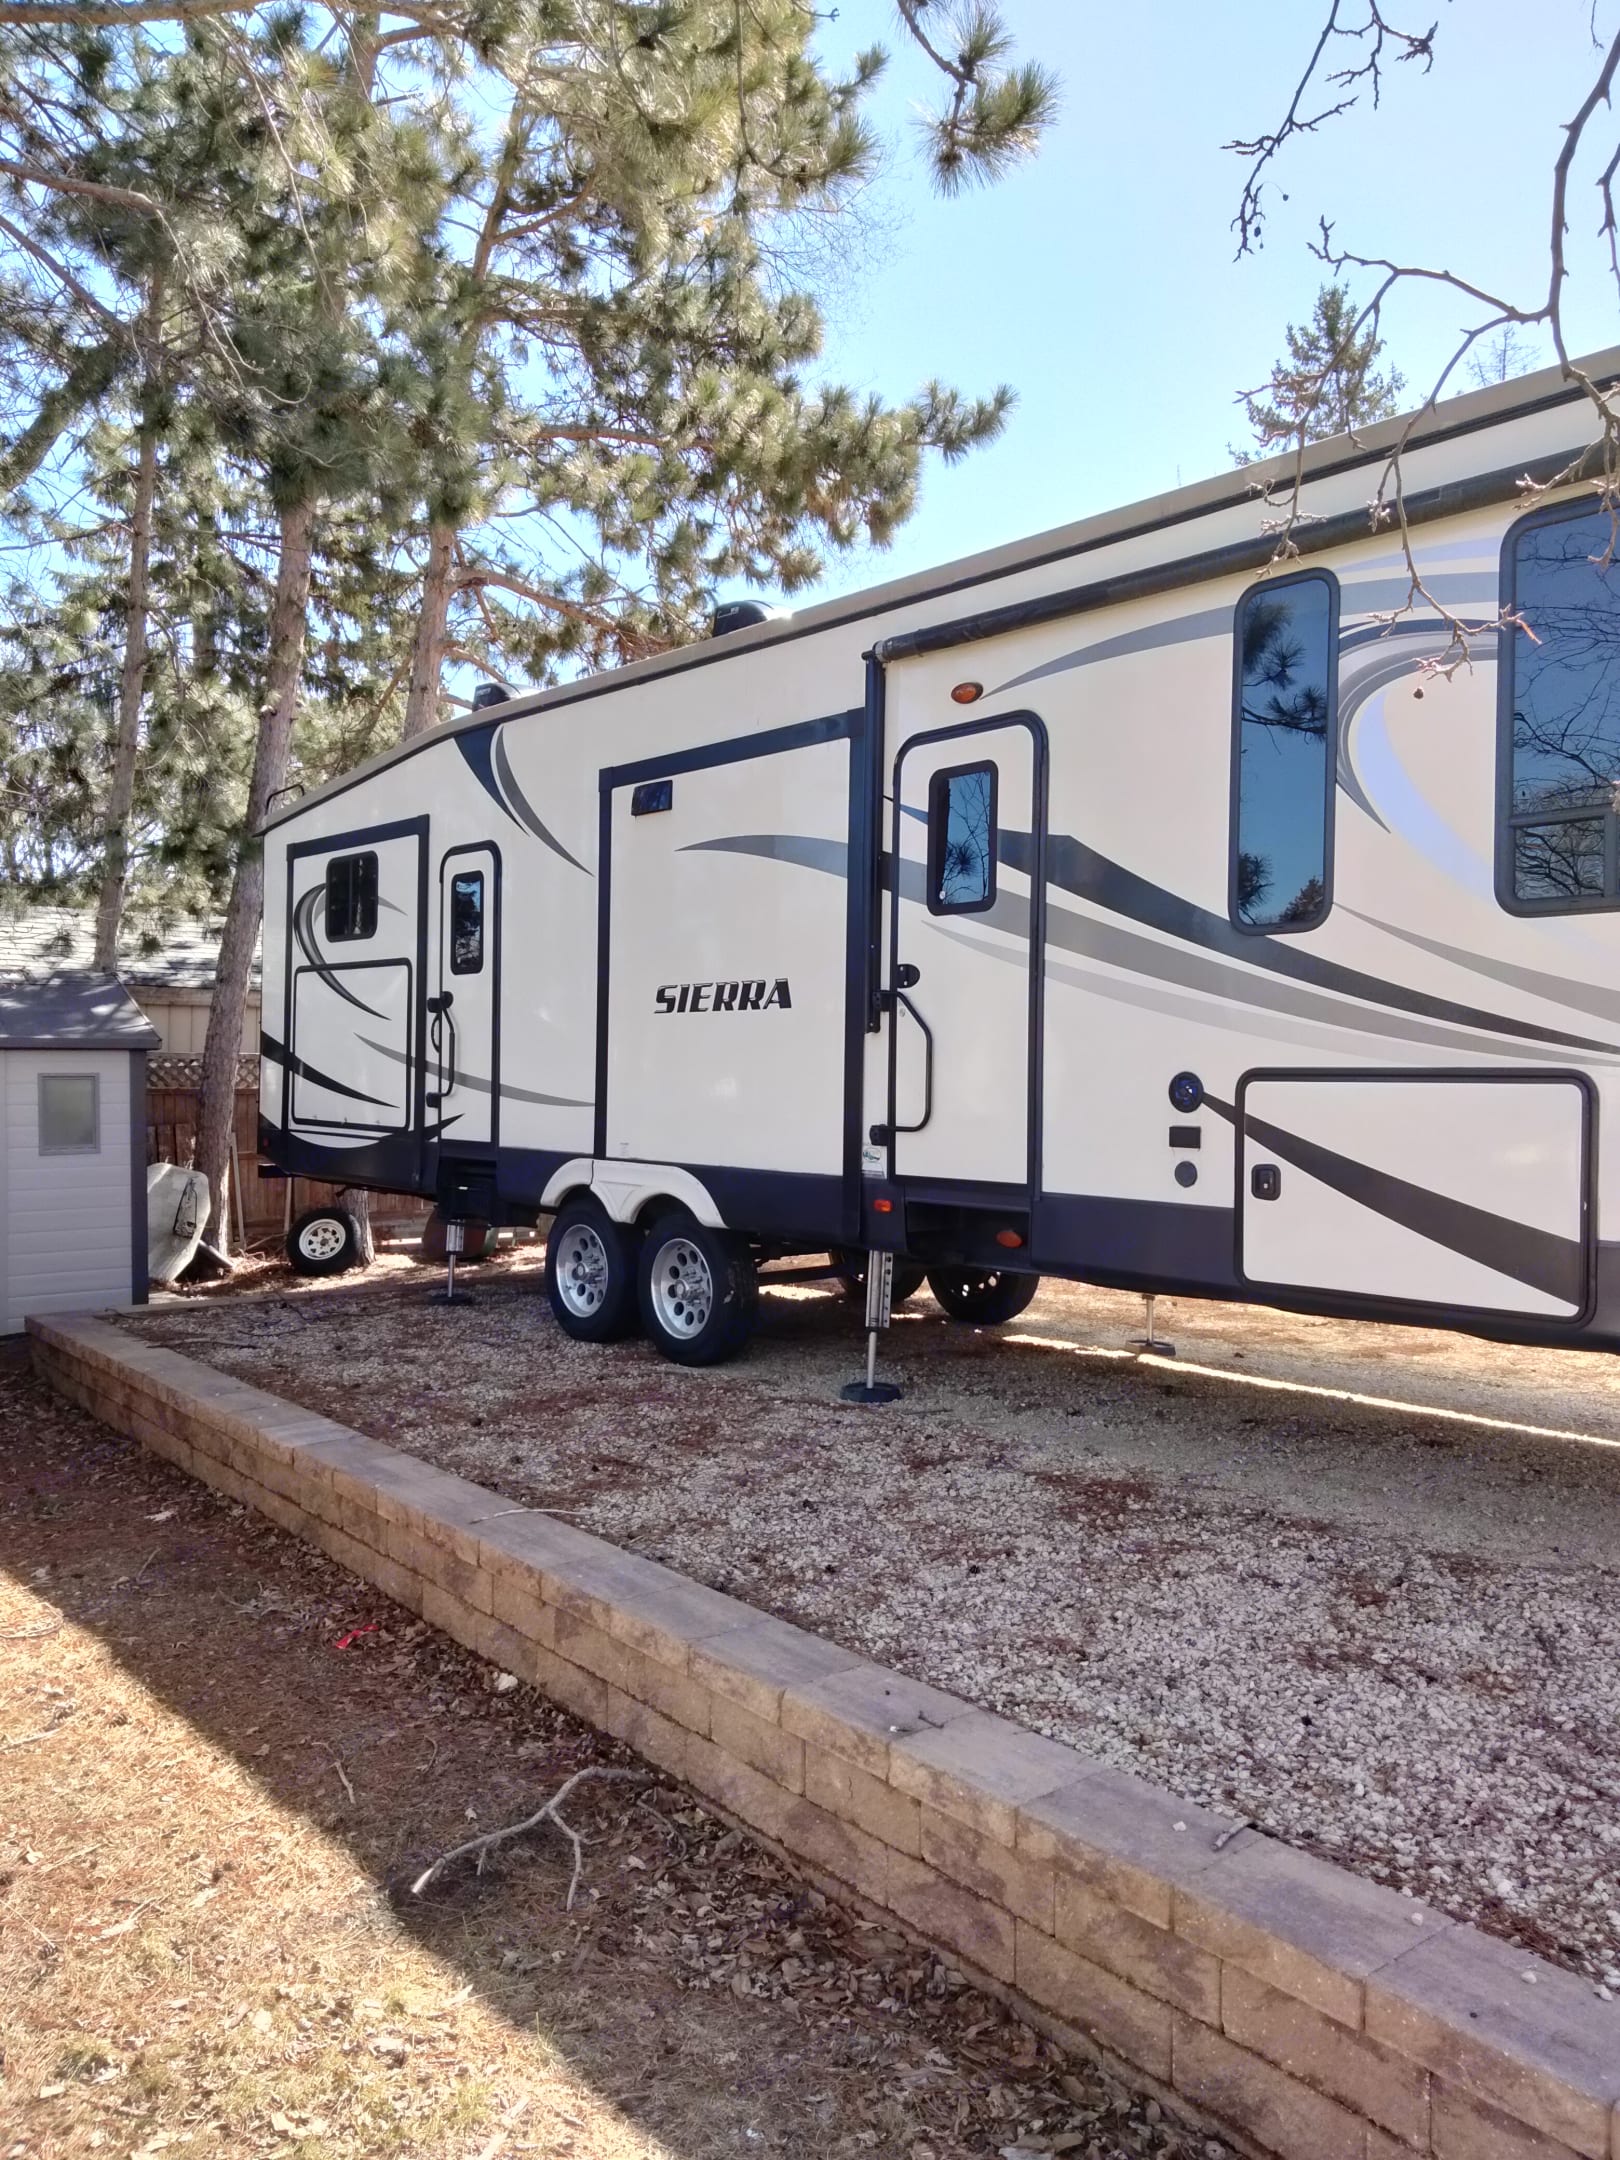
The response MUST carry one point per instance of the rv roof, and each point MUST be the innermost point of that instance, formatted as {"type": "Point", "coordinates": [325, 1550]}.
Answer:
{"type": "Point", "coordinates": [1455, 416]}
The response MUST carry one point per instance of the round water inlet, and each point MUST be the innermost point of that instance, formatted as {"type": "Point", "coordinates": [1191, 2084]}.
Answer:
{"type": "Point", "coordinates": [682, 1288]}
{"type": "Point", "coordinates": [582, 1270]}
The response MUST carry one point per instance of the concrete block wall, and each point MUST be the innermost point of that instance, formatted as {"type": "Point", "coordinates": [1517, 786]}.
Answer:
{"type": "Point", "coordinates": [1306, 2012]}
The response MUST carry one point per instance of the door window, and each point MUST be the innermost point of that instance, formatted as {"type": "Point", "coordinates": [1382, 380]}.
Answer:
{"type": "Point", "coordinates": [467, 923]}
{"type": "Point", "coordinates": [351, 897]}
{"type": "Point", "coordinates": [962, 840]}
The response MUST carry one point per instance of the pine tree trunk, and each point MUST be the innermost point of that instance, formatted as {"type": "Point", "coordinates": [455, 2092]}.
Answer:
{"type": "Point", "coordinates": [131, 690]}
{"type": "Point", "coordinates": [357, 1199]}
{"type": "Point", "coordinates": [432, 628]}
{"type": "Point", "coordinates": [228, 1008]}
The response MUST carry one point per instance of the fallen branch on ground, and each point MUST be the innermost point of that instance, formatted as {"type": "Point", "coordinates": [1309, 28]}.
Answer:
{"type": "Point", "coordinates": [485, 1845]}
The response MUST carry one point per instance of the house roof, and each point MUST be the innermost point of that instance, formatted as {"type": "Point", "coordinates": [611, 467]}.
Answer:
{"type": "Point", "coordinates": [73, 1012]}
{"type": "Point", "coordinates": [38, 943]}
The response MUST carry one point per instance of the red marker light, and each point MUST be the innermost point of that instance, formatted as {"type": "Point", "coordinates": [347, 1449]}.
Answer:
{"type": "Point", "coordinates": [882, 1207]}
{"type": "Point", "coordinates": [1010, 1238]}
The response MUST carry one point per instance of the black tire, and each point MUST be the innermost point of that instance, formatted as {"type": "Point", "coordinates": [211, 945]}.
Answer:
{"type": "Point", "coordinates": [698, 1290]}
{"type": "Point", "coordinates": [850, 1268]}
{"type": "Point", "coordinates": [591, 1273]}
{"type": "Point", "coordinates": [324, 1241]}
{"type": "Point", "coordinates": [982, 1296]}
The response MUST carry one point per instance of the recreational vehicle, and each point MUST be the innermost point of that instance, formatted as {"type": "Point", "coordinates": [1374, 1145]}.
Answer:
{"type": "Point", "coordinates": [1125, 904]}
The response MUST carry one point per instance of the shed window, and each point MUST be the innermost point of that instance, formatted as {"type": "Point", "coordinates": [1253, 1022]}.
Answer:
{"type": "Point", "coordinates": [962, 840]}
{"type": "Point", "coordinates": [351, 897]}
{"type": "Point", "coordinates": [69, 1114]}
{"type": "Point", "coordinates": [1563, 696]}
{"type": "Point", "coordinates": [1283, 729]}
{"type": "Point", "coordinates": [467, 923]}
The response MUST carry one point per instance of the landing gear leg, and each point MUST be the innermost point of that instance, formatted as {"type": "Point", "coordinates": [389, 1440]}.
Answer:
{"type": "Point", "coordinates": [879, 1299]}
{"type": "Point", "coordinates": [1147, 1340]}
{"type": "Point", "coordinates": [455, 1243]}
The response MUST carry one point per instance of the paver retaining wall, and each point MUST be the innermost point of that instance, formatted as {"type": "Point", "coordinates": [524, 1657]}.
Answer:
{"type": "Point", "coordinates": [1311, 2013]}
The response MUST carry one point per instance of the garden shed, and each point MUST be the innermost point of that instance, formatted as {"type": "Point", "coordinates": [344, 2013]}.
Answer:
{"type": "Point", "coordinates": [73, 1054]}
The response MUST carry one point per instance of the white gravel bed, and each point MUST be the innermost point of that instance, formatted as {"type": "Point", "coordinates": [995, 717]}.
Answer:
{"type": "Point", "coordinates": [1360, 1585]}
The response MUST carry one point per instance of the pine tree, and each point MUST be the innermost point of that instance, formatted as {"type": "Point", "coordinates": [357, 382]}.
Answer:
{"type": "Point", "coordinates": [1328, 384]}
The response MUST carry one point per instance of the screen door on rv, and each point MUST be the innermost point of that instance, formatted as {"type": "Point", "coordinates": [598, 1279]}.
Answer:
{"type": "Point", "coordinates": [463, 1047]}
{"type": "Point", "coordinates": [966, 951]}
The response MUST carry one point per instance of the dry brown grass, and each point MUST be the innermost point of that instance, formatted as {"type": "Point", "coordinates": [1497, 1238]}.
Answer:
{"type": "Point", "coordinates": [207, 1947]}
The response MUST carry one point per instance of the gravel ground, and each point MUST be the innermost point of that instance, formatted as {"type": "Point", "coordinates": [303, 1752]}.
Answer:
{"type": "Point", "coordinates": [1354, 1583]}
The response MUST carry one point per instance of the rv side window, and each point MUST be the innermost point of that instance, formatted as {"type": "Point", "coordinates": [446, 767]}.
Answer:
{"type": "Point", "coordinates": [467, 923]}
{"type": "Point", "coordinates": [351, 897]}
{"type": "Point", "coordinates": [962, 840]}
{"type": "Point", "coordinates": [1562, 704]}
{"type": "Point", "coordinates": [1284, 705]}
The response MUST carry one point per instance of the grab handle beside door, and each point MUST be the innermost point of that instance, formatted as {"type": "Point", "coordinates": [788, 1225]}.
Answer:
{"type": "Point", "coordinates": [882, 1134]}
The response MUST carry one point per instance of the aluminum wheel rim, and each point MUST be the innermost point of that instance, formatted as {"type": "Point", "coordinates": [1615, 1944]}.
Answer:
{"type": "Point", "coordinates": [682, 1289]}
{"type": "Point", "coordinates": [582, 1271]}
{"type": "Point", "coordinates": [322, 1240]}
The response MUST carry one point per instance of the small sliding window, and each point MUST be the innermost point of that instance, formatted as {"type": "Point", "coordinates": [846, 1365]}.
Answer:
{"type": "Point", "coordinates": [1284, 724]}
{"type": "Point", "coordinates": [962, 840]}
{"type": "Point", "coordinates": [1559, 848]}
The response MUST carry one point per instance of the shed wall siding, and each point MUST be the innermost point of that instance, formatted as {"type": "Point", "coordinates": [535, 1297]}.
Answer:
{"type": "Point", "coordinates": [65, 1220]}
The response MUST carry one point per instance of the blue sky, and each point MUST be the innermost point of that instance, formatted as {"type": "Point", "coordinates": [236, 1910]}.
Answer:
{"type": "Point", "coordinates": [1099, 280]}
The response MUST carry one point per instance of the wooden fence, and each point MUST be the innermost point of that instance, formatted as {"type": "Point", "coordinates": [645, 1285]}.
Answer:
{"type": "Point", "coordinates": [172, 1095]}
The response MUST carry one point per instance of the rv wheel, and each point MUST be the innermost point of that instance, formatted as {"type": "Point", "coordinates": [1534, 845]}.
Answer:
{"type": "Point", "coordinates": [983, 1297]}
{"type": "Point", "coordinates": [850, 1268]}
{"type": "Point", "coordinates": [324, 1241]}
{"type": "Point", "coordinates": [698, 1291]}
{"type": "Point", "coordinates": [591, 1273]}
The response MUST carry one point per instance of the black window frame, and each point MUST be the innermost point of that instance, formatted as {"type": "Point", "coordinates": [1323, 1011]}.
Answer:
{"type": "Point", "coordinates": [1268, 586]}
{"type": "Point", "coordinates": [458, 877]}
{"type": "Point", "coordinates": [1507, 819]}
{"type": "Point", "coordinates": [939, 826]}
{"type": "Point", "coordinates": [346, 936]}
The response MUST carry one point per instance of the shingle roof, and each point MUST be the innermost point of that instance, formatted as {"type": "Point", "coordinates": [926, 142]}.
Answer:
{"type": "Point", "coordinates": [39, 942]}
{"type": "Point", "coordinates": [73, 1012]}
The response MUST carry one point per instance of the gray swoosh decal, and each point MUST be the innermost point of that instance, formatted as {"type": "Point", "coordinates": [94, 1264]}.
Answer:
{"type": "Point", "coordinates": [1075, 868]}
{"type": "Point", "coordinates": [278, 1054]}
{"type": "Point", "coordinates": [520, 808]}
{"type": "Point", "coordinates": [1208, 622]}
{"type": "Point", "coordinates": [1557, 989]}
{"type": "Point", "coordinates": [476, 1086]}
{"type": "Point", "coordinates": [304, 931]}
{"type": "Point", "coordinates": [1383, 594]}
{"type": "Point", "coordinates": [1081, 870]}
{"type": "Point", "coordinates": [1213, 1010]}
{"type": "Point", "coordinates": [1555, 1266]}
{"type": "Point", "coordinates": [831, 856]}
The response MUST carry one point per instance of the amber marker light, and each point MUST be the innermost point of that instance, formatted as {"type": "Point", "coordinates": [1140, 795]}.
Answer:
{"type": "Point", "coordinates": [882, 1207]}
{"type": "Point", "coordinates": [1010, 1238]}
{"type": "Point", "coordinates": [967, 693]}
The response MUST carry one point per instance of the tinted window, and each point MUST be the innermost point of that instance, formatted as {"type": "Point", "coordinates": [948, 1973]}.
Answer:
{"type": "Point", "coordinates": [351, 897]}
{"type": "Point", "coordinates": [467, 922]}
{"type": "Point", "coordinates": [962, 840]}
{"type": "Point", "coordinates": [1564, 698]}
{"type": "Point", "coordinates": [1284, 727]}
{"type": "Point", "coordinates": [69, 1114]}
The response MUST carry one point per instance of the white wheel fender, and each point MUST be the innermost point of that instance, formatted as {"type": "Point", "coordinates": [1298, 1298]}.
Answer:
{"type": "Point", "coordinates": [625, 1188]}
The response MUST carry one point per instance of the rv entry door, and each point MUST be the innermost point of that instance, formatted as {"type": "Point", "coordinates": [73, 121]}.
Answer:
{"type": "Point", "coordinates": [463, 1028]}
{"type": "Point", "coordinates": [965, 969]}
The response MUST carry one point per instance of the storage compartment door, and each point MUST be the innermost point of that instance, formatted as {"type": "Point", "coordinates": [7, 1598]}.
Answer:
{"type": "Point", "coordinates": [1466, 1193]}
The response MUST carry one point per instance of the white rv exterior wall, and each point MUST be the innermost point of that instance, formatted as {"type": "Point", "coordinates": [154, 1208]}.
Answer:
{"type": "Point", "coordinates": [65, 1230]}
